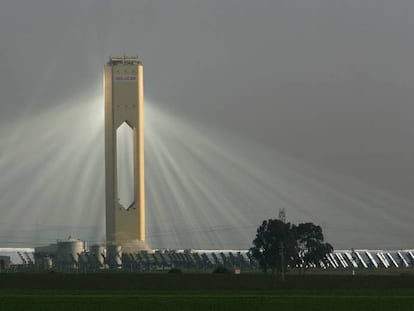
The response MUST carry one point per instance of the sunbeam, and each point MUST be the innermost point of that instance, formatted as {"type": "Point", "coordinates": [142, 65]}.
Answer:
{"type": "Point", "coordinates": [206, 189]}
{"type": "Point", "coordinates": [212, 189]}
{"type": "Point", "coordinates": [55, 157]}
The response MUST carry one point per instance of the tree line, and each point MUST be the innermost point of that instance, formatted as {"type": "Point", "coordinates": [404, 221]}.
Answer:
{"type": "Point", "coordinates": [279, 245]}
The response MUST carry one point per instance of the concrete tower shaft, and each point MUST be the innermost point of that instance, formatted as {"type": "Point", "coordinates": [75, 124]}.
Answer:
{"type": "Point", "coordinates": [124, 97]}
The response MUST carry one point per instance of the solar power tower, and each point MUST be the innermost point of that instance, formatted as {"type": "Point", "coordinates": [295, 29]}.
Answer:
{"type": "Point", "coordinates": [124, 97]}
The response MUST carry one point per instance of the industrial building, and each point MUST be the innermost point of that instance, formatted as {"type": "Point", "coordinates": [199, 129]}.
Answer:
{"type": "Point", "coordinates": [63, 254]}
{"type": "Point", "coordinates": [125, 217]}
{"type": "Point", "coordinates": [124, 100]}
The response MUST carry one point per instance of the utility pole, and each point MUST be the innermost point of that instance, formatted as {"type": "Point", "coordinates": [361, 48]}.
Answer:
{"type": "Point", "coordinates": [282, 259]}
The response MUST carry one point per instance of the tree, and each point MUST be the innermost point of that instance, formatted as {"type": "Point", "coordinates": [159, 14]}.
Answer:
{"type": "Point", "coordinates": [274, 246]}
{"type": "Point", "coordinates": [311, 248]}
{"type": "Point", "coordinates": [280, 245]}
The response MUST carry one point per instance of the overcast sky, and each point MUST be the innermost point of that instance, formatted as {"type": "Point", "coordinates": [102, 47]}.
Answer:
{"type": "Point", "coordinates": [328, 82]}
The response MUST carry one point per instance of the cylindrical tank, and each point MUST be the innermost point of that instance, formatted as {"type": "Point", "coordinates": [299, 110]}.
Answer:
{"type": "Point", "coordinates": [68, 251]}
{"type": "Point", "coordinates": [47, 263]}
{"type": "Point", "coordinates": [98, 253]}
{"type": "Point", "coordinates": [114, 255]}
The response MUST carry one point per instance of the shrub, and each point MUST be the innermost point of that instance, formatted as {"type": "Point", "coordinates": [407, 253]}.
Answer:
{"type": "Point", "coordinates": [221, 270]}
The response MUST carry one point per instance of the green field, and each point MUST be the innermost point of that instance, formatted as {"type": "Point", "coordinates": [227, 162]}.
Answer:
{"type": "Point", "coordinates": [199, 292]}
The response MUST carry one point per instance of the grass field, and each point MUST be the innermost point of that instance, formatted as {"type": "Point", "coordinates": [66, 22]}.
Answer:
{"type": "Point", "coordinates": [204, 292]}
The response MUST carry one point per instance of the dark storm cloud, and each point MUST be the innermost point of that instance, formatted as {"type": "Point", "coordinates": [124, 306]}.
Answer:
{"type": "Point", "coordinates": [327, 81]}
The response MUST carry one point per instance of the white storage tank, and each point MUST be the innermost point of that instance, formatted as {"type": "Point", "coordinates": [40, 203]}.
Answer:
{"type": "Point", "coordinates": [68, 252]}
{"type": "Point", "coordinates": [98, 252]}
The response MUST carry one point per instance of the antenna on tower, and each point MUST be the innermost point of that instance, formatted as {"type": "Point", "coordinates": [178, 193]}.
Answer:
{"type": "Point", "coordinates": [282, 215]}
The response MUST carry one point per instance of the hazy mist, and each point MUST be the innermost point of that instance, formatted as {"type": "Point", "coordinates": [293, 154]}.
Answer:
{"type": "Point", "coordinates": [250, 106]}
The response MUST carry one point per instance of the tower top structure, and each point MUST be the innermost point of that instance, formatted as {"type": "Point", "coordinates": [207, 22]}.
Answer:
{"type": "Point", "coordinates": [124, 60]}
